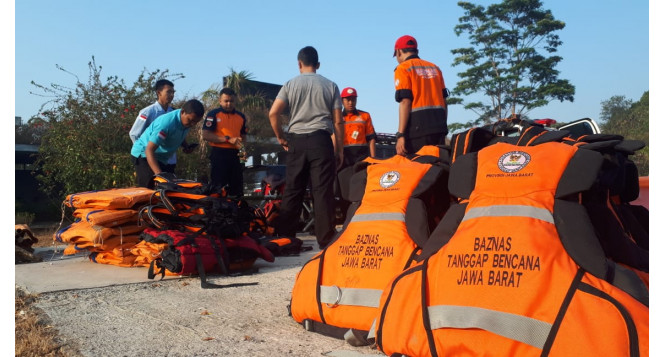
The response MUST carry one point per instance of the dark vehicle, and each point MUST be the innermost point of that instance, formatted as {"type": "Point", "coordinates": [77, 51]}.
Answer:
{"type": "Point", "coordinates": [263, 186]}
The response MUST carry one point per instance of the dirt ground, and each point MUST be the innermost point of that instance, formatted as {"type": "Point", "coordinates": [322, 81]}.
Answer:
{"type": "Point", "coordinates": [177, 318]}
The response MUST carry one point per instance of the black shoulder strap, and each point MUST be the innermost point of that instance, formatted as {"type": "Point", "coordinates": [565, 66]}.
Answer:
{"type": "Point", "coordinates": [463, 174]}
{"type": "Point", "coordinates": [471, 140]}
{"type": "Point", "coordinates": [162, 270]}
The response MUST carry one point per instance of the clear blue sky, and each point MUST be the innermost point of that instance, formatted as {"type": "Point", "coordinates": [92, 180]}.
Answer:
{"type": "Point", "coordinates": [605, 46]}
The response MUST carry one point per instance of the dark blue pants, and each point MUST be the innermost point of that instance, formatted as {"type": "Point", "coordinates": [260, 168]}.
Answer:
{"type": "Point", "coordinates": [226, 169]}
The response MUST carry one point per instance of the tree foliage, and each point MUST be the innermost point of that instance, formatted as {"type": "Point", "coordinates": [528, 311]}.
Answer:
{"type": "Point", "coordinates": [629, 119]}
{"type": "Point", "coordinates": [86, 145]}
{"type": "Point", "coordinates": [506, 61]}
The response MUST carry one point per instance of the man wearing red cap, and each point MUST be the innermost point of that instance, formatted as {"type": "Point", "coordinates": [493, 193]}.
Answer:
{"type": "Point", "coordinates": [359, 134]}
{"type": "Point", "coordinates": [421, 93]}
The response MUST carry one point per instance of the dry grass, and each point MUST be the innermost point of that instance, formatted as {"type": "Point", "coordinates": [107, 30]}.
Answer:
{"type": "Point", "coordinates": [45, 235]}
{"type": "Point", "coordinates": [34, 336]}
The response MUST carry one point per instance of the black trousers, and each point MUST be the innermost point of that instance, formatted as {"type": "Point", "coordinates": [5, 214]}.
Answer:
{"type": "Point", "coordinates": [226, 169]}
{"type": "Point", "coordinates": [144, 173]}
{"type": "Point", "coordinates": [413, 145]}
{"type": "Point", "coordinates": [353, 154]}
{"type": "Point", "coordinates": [310, 157]}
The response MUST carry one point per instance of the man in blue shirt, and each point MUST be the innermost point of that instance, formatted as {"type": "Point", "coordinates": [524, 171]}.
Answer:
{"type": "Point", "coordinates": [162, 139]}
{"type": "Point", "coordinates": [147, 115]}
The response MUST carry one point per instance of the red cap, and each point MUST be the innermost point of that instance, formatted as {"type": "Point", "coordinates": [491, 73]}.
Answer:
{"type": "Point", "coordinates": [348, 92]}
{"type": "Point", "coordinates": [405, 41]}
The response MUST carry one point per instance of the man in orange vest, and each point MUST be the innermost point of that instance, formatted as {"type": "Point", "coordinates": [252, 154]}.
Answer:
{"type": "Point", "coordinates": [421, 93]}
{"type": "Point", "coordinates": [225, 130]}
{"type": "Point", "coordinates": [359, 134]}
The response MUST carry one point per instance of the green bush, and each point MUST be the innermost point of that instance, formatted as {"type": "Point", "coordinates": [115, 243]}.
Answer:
{"type": "Point", "coordinates": [86, 144]}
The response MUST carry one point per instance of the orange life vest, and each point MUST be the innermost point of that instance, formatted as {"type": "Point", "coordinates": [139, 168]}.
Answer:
{"type": "Point", "coordinates": [83, 236]}
{"type": "Point", "coordinates": [337, 291]}
{"type": "Point", "coordinates": [117, 198]}
{"type": "Point", "coordinates": [515, 269]}
{"type": "Point", "coordinates": [106, 217]}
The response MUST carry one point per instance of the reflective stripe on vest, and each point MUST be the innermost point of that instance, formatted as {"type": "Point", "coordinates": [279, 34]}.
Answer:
{"type": "Point", "coordinates": [427, 108]}
{"type": "Point", "coordinates": [334, 295]}
{"type": "Point", "coordinates": [510, 211]}
{"type": "Point", "coordinates": [388, 216]}
{"type": "Point", "coordinates": [516, 327]}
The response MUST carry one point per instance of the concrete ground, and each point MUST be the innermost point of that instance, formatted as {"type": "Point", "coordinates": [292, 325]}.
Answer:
{"type": "Point", "coordinates": [105, 310]}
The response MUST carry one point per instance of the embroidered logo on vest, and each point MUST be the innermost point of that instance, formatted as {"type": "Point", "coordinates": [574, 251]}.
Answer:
{"type": "Point", "coordinates": [513, 161]}
{"type": "Point", "coordinates": [389, 179]}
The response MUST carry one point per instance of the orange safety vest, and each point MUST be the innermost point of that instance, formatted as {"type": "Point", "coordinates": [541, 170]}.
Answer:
{"type": "Point", "coordinates": [222, 123]}
{"type": "Point", "coordinates": [358, 129]}
{"type": "Point", "coordinates": [337, 291]}
{"type": "Point", "coordinates": [423, 82]}
{"type": "Point", "coordinates": [515, 269]}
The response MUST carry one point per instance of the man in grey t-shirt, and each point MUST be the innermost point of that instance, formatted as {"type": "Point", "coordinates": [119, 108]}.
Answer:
{"type": "Point", "coordinates": [315, 135]}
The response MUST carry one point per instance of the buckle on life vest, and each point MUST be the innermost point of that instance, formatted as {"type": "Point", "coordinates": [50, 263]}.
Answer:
{"type": "Point", "coordinates": [336, 302]}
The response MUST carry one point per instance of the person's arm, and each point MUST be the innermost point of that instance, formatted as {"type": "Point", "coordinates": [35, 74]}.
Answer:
{"type": "Point", "coordinates": [278, 107]}
{"type": "Point", "coordinates": [338, 136]}
{"type": "Point", "coordinates": [139, 126]}
{"type": "Point", "coordinates": [152, 158]}
{"type": "Point", "coordinates": [214, 138]}
{"type": "Point", "coordinates": [405, 106]}
{"type": "Point", "coordinates": [372, 147]}
{"type": "Point", "coordinates": [371, 136]}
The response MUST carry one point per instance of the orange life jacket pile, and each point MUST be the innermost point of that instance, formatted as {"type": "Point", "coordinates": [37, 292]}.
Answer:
{"type": "Point", "coordinates": [540, 253]}
{"type": "Point", "coordinates": [106, 226]}
{"type": "Point", "coordinates": [198, 222]}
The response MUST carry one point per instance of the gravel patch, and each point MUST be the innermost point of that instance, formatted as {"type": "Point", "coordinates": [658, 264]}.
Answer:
{"type": "Point", "coordinates": [175, 317]}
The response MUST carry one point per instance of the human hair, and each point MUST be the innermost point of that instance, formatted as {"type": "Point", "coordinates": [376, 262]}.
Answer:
{"type": "Point", "coordinates": [161, 83]}
{"type": "Point", "coordinates": [308, 56]}
{"type": "Point", "coordinates": [193, 106]}
{"type": "Point", "coordinates": [227, 91]}
{"type": "Point", "coordinates": [410, 50]}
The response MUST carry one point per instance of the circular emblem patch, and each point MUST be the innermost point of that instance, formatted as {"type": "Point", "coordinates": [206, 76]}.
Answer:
{"type": "Point", "coordinates": [208, 124]}
{"type": "Point", "coordinates": [389, 179]}
{"type": "Point", "coordinates": [513, 161]}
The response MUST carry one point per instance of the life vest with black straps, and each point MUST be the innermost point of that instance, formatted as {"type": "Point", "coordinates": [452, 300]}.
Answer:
{"type": "Point", "coordinates": [515, 268]}
{"type": "Point", "coordinates": [198, 254]}
{"type": "Point", "coordinates": [622, 228]}
{"type": "Point", "coordinates": [337, 292]}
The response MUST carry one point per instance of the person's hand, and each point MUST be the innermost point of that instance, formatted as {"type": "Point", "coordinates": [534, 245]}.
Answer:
{"type": "Point", "coordinates": [283, 143]}
{"type": "Point", "coordinates": [401, 146]}
{"type": "Point", "coordinates": [237, 141]}
{"type": "Point", "coordinates": [340, 160]}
